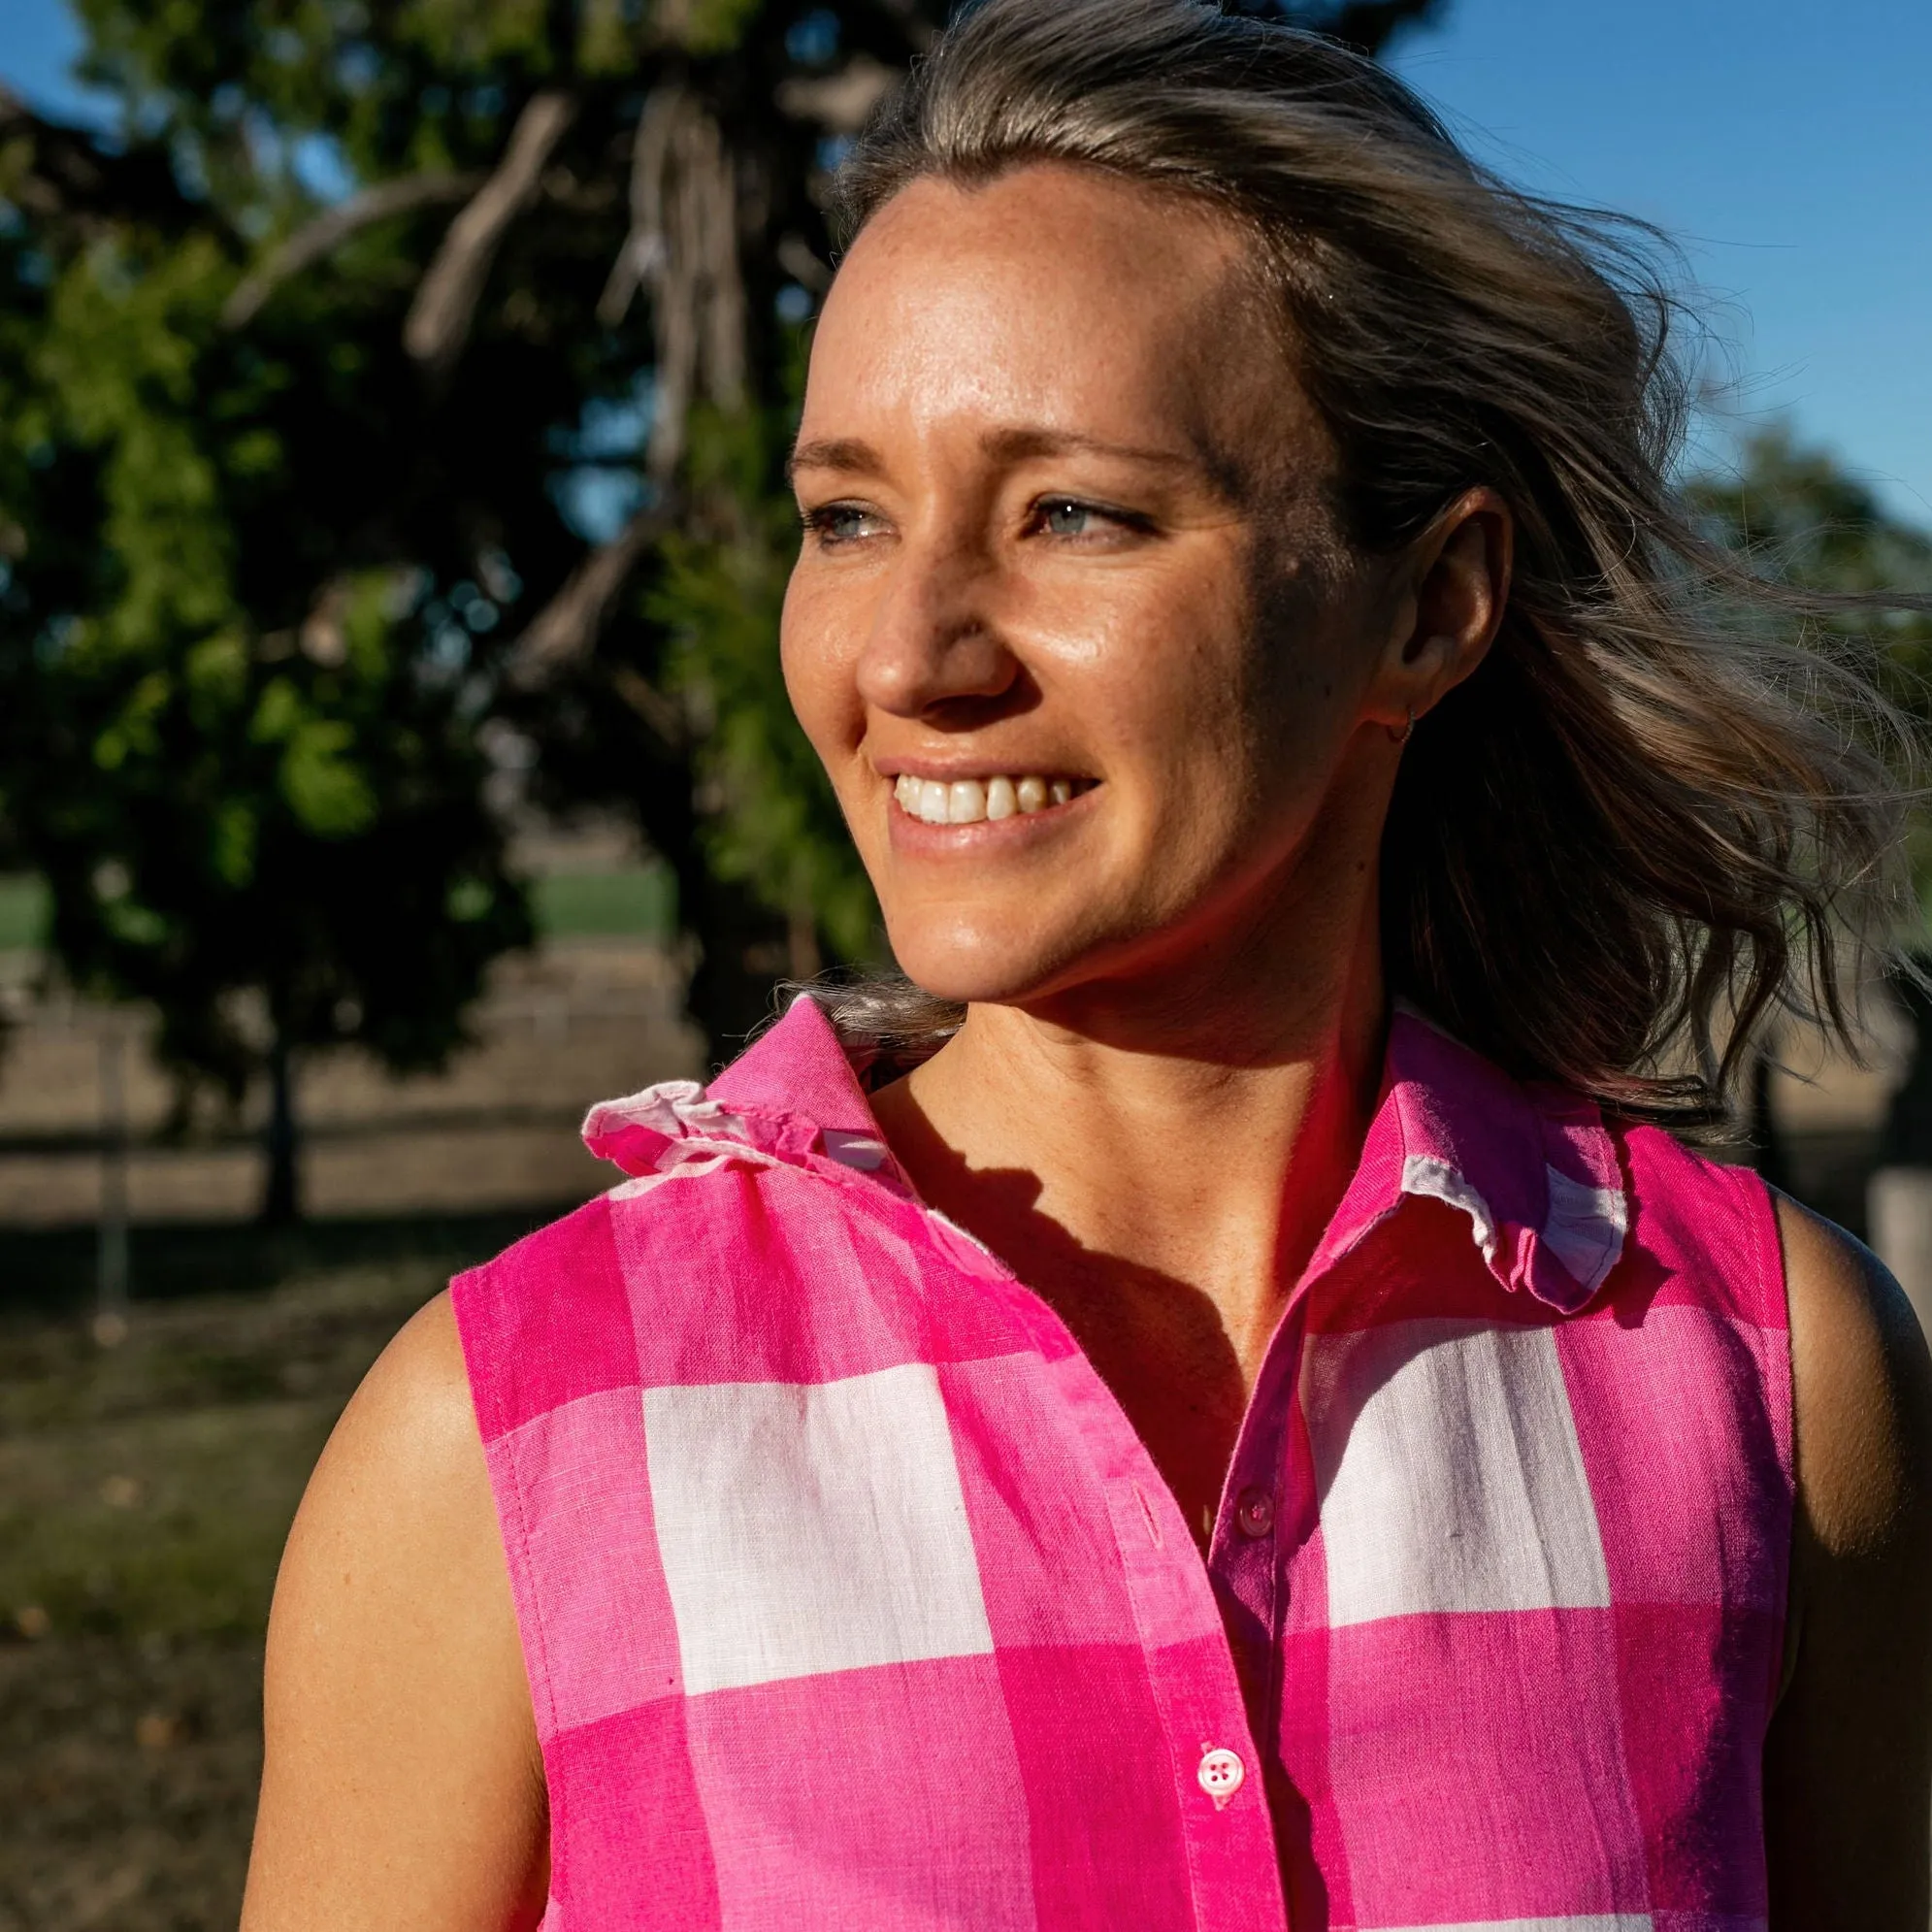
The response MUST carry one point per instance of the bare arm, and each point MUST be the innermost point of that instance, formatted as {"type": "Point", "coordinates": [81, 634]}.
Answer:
{"type": "Point", "coordinates": [1849, 1762]}
{"type": "Point", "coordinates": [403, 1786]}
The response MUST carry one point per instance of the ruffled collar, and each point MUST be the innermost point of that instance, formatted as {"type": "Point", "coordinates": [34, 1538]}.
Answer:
{"type": "Point", "coordinates": [1533, 1167]}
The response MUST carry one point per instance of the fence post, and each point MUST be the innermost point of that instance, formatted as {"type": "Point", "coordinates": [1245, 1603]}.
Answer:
{"type": "Point", "coordinates": [111, 1259]}
{"type": "Point", "coordinates": [1898, 1207]}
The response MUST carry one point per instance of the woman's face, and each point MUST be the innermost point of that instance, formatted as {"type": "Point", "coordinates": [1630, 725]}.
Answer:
{"type": "Point", "coordinates": [1071, 628]}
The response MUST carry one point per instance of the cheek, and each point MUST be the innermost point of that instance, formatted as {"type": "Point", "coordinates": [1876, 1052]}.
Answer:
{"type": "Point", "coordinates": [1178, 689]}
{"type": "Point", "coordinates": [1310, 677]}
{"type": "Point", "coordinates": [818, 676]}
{"type": "Point", "coordinates": [1248, 732]}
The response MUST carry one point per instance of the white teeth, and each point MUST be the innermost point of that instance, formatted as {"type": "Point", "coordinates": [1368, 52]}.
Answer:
{"type": "Point", "coordinates": [968, 801]}
{"type": "Point", "coordinates": [965, 803]}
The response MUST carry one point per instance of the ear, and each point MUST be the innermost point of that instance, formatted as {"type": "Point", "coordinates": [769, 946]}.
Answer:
{"type": "Point", "coordinates": [1451, 589]}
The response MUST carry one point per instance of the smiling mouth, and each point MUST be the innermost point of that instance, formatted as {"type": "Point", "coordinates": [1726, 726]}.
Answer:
{"type": "Point", "coordinates": [969, 800]}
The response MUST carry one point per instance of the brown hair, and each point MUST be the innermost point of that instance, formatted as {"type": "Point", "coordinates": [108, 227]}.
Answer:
{"type": "Point", "coordinates": [1651, 818]}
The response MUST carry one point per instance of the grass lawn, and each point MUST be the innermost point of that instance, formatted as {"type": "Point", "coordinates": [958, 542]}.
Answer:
{"type": "Point", "coordinates": [637, 904]}
{"type": "Point", "coordinates": [639, 901]}
{"type": "Point", "coordinates": [23, 913]}
{"type": "Point", "coordinates": [145, 1492]}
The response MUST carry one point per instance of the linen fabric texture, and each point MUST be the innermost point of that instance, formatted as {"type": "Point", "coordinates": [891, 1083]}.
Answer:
{"type": "Point", "coordinates": [849, 1598]}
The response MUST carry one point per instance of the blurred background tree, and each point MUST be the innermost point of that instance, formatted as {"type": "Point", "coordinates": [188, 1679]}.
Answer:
{"type": "Point", "coordinates": [1804, 518]}
{"type": "Point", "coordinates": [392, 423]}
{"type": "Point", "coordinates": [238, 742]}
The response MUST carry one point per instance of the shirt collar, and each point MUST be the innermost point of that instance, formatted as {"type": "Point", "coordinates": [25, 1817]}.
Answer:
{"type": "Point", "coordinates": [1533, 1167]}
{"type": "Point", "coordinates": [792, 1097]}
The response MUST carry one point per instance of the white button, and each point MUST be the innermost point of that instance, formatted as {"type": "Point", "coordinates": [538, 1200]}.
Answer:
{"type": "Point", "coordinates": [1220, 1774]}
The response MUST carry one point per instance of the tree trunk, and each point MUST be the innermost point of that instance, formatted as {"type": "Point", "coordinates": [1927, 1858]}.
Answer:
{"type": "Point", "coordinates": [281, 1193]}
{"type": "Point", "coordinates": [1767, 1145]}
{"type": "Point", "coordinates": [743, 950]}
{"type": "Point", "coordinates": [804, 959]}
{"type": "Point", "coordinates": [1908, 1134]}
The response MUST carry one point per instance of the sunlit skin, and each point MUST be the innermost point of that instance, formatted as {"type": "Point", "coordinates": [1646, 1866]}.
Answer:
{"type": "Point", "coordinates": [1067, 516]}
{"type": "Point", "coordinates": [1072, 524]}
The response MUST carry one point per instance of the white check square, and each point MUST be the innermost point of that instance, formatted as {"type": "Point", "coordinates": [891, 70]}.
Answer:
{"type": "Point", "coordinates": [807, 1528]}
{"type": "Point", "coordinates": [1450, 1474]}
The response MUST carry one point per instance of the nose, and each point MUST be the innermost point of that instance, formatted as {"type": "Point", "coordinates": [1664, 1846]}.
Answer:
{"type": "Point", "coordinates": [935, 641]}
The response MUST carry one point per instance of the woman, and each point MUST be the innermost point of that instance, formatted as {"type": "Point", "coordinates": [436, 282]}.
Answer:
{"type": "Point", "coordinates": [1278, 704]}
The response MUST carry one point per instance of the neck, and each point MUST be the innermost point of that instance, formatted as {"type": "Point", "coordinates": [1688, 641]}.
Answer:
{"type": "Point", "coordinates": [1163, 1153]}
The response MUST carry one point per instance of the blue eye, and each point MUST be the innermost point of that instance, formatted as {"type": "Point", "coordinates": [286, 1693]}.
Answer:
{"type": "Point", "coordinates": [841, 523]}
{"type": "Point", "coordinates": [1065, 517]}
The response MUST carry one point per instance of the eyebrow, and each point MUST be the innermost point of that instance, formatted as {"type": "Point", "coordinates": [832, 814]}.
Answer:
{"type": "Point", "coordinates": [856, 457]}
{"type": "Point", "coordinates": [835, 453]}
{"type": "Point", "coordinates": [1015, 445]}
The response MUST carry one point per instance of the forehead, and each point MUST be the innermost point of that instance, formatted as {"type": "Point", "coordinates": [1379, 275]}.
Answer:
{"type": "Point", "coordinates": [1059, 298]}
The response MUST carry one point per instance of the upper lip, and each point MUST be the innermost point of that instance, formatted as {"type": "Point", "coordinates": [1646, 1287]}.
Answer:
{"type": "Point", "coordinates": [946, 770]}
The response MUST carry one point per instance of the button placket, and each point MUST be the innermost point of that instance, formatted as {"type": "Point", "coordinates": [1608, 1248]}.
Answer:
{"type": "Point", "coordinates": [1253, 1564]}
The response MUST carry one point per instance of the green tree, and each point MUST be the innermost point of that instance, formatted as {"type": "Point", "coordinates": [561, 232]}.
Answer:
{"type": "Point", "coordinates": [413, 378]}
{"type": "Point", "coordinates": [239, 747]}
{"type": "Point", "coordinates": [1805, 519]}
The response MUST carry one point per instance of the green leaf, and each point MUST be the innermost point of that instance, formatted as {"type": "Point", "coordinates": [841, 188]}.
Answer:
{"type": "Point", "coordinates": [279, 712]}
{"type": "Point", "coordinates": [324, 789]}
{"type": "Point", "coordinates": [232, 843]}
{"type": "Point", "coordinates": [717, 26]}
{"type": "Point", "coordinates": [468, 901]}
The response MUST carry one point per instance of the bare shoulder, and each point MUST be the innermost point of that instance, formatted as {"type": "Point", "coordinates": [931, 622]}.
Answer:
{"type": "Point", "coordinates": [401, 1752]}
{"type": "Point", "coordinates": [1848, 1764]}
{"type": "Point", "coordinates": [410, 1425]}
{"type": "Point", "coordinates": [1862, 1391]}
{"type": "Point", "coordinates": [402, 1490]}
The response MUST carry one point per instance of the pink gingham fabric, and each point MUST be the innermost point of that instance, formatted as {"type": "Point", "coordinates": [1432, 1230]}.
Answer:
{"type": "Point", "coordinates": [850, 1599]}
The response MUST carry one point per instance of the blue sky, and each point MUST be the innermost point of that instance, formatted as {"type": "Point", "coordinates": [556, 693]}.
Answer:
{"type": "Point", "coordinates": [1786, 143]}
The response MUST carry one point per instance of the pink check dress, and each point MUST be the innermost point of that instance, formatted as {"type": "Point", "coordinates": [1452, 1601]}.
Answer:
{"type": "Point", "coordinates": [850, 1599]}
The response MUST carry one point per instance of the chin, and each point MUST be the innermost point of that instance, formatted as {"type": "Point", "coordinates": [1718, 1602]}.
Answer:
{"type": "Point", "coordinates": [973, 965]}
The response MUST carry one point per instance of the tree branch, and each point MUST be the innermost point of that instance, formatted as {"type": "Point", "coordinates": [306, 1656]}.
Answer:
{"type": "Point", "coordinates": [683, 246]}
{"type": "Point", "coordinates": [920, 20]}
{"type": "Point", "coordinates": [323, 236]}
{"type": "Point", "coordinates": [662, 715]}
{"type": "Point", "coordinates": [445, 305]}
{"type": "Point", "coordinates": [62, 173]}
{"type": "Point", "coordinates": [565, 631]}
{"type": "Point", "coordinates": [842, 102]}
{"type": "Point", "coordinates": [1369, 25]}
{"type": "Point", "coordinates": [641, 256]}
{"type": "Point", "coordinates": [796, 259]}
